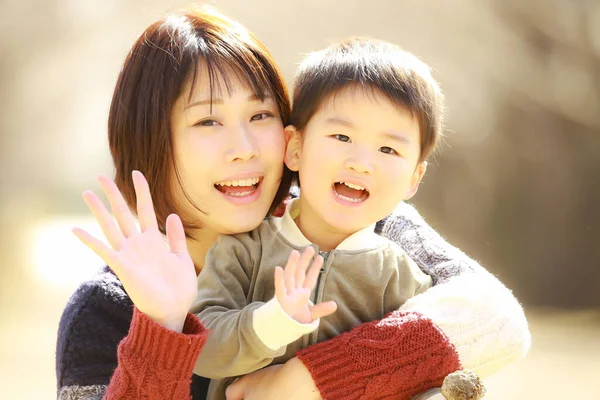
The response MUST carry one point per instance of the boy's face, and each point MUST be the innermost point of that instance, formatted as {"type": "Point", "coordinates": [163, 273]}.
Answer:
{"type": "Point", "coordinates": [357, 158]}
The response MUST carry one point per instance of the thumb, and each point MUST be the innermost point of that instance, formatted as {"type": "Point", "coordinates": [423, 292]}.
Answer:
{"type": "Point", "coordinates": [237, 390]}
{"type": "Point", "coordinates": [323, 309]}
{"type": "Point", "coordinates": [176, 236]}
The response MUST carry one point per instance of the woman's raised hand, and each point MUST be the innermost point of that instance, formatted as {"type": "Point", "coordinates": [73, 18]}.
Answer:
{"type": "Point", "coordinates": [158, 276]}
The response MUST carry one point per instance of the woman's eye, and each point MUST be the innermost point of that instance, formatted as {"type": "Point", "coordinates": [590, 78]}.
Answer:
{"type": "Point", "coordinates": [261, 116]}
{"type": "Point", "coordinates": [206, 122]}
{"type": "Point", "coordinates": [387, 150]}
{"type": "Point", "coordinates": [342, 138]}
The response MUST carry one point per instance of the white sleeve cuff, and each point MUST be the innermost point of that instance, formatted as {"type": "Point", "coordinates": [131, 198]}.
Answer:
{"type": "Point", "coordinates": [277, 329]}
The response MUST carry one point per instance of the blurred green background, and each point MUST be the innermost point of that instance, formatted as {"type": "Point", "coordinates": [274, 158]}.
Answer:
{"type": "Point", "coordinates": [517, 185]}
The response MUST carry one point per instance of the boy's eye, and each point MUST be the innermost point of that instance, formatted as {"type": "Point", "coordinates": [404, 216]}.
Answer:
{"type": "Point", "coordinates": [261, 116]}
{"type": "Point", "coordinates": [206, 122]}
{"type": "Point", "coordinates": [387, 150]}
{"type": "Point", "coordinates": [342, 138]}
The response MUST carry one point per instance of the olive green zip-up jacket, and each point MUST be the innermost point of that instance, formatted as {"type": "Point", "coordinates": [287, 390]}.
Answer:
{"type": "Point", "coordinates": [367, 275]}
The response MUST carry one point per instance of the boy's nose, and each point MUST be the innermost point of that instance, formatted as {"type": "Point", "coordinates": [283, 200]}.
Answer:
{"type": "Point", "coordinates": [360, 164]}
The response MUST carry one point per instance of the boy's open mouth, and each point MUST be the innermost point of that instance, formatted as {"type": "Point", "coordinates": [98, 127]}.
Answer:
{"type": "Point", "coordinates": [350, 192]}
{"type": "Point", "coordinates": [239, 188]}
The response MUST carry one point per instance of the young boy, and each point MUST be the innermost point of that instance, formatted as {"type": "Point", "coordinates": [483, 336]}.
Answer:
{"type": "Point", "coordinates": [366, 116]}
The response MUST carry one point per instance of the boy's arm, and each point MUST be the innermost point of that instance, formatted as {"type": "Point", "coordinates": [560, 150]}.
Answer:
{"type": "Point", "coordinates": [406, 281]}
{"type": "Point", "coordinates": [468, 319]}
{"type": "Point", "coordinates": [243, 337]}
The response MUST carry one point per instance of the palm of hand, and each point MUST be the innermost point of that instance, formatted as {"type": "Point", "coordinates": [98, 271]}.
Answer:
{"type": "Point", "coordinates": [160, 279]}
{"type": "Point", "coordinates": [160, 283]}
{"type": "Point", "coordinates": [296, 304]}
{"type": "Point", "coordinates": [294, 284]}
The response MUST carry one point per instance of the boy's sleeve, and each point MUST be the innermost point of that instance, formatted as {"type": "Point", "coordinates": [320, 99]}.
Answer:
{"type": "Point", "coordinates": [406, 282]}
{"type": "Point", "coordinates": [243, 337]}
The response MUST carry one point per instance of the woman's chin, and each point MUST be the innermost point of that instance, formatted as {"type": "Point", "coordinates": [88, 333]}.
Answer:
{"type": "Point", "coordinates": [240, 223]}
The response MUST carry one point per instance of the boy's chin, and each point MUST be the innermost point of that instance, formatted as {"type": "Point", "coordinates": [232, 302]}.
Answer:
{"type": "Point", "coordinates": [344, 226]}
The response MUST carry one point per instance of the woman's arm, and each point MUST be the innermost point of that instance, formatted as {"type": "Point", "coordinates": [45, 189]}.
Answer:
{"type": "Point", "coordinates": [99, 316]}
{"type": "Point", "coordinates": [156, 362]}
{"type": "Point", "coordinates": [161, 282]}
{"type": "Point", "coordinates": [481, 316]}
{"type": "Point", "coordinates": [469, 319]}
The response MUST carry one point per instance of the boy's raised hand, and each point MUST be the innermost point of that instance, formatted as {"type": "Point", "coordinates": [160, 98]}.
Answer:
{"type": "Point", "coordinates": [294, 284]}
{"type": "Point", "coordinates": [159, 279]}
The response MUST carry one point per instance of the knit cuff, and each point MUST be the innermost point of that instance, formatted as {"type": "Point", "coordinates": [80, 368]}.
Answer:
{"type": "Point", "coordinates": [149, 343]}
{"type": "Point", "coordinates": [275, 328]}
{"type": "Point", "coordinates": [400, 356]}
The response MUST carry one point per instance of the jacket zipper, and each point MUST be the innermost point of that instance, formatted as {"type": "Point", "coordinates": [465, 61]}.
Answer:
{"type": "Point", "coordinates": [323, 254]}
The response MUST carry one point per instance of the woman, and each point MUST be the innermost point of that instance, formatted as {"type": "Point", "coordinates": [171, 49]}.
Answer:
{"type": "Point", "coordinates": [199, 109]}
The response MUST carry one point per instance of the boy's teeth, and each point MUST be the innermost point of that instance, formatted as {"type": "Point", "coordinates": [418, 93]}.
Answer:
{"type": "Point", "coordinates": [353, 186]}
{"type": "Point", "coordinates": [349, 198]}
{"type": "Point", "coordinates": [240, 182]}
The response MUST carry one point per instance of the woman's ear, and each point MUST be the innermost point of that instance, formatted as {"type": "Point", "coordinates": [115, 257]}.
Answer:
{"type": "Point", "coordinates": [293, 148]}
{"type": "Point", "coordinates": [416, 180]}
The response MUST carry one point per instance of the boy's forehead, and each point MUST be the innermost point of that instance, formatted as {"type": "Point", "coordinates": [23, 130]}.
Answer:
{"type": "Point", "coordinates": [352, 99]}
{"type": "Point", "coordinates": [359, 108]}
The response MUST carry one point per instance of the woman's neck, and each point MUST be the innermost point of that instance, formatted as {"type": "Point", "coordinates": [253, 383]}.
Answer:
{"type": "Point", "coordinates": [198, 245]}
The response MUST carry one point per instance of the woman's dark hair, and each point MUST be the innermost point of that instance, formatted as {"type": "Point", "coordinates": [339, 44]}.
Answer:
{"type": "Point", "coordinates": [160, 65]}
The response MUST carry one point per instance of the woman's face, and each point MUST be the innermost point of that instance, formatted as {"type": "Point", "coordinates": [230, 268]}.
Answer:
{"type": "Point", "coordinates": [229, 154]}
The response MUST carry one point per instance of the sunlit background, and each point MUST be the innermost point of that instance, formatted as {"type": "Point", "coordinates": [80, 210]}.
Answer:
{"type": "Point", "coordinates": [517, 184]}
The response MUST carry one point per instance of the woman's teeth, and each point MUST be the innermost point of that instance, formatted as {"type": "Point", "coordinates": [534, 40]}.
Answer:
{"type": "Point", "coordinates": [240, 182]}
{"type": "Point", "coordinates": [240, 194]}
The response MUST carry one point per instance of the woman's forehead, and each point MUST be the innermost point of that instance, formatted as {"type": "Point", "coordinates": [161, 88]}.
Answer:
{"type": "Point", "coordinates": [213, 83]}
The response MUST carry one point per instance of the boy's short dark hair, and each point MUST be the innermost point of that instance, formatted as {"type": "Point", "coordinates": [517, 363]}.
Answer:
{"type": "Point", "coordinates": [375, 65]}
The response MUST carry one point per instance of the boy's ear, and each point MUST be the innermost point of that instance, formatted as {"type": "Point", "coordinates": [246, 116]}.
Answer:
{"type": "Point", "coordinates": [416, 180]}
{"type": "Point", "coordinates": [293, 148]}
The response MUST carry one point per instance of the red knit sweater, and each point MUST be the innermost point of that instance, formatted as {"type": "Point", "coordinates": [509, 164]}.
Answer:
{"type": "Point", "coordinates": [155, 362]}
{"type": "Point", "coordinates": [397, 357]}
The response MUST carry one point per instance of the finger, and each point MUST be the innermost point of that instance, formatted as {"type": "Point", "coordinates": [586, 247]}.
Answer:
{"type": "Point", "coordinates": [290, 270]}
{"type": "Point", "coordinates": [237, 390]}
{"type": "Point", "coordinates": [107, 223]}
{"type": "Point", "coordinates": [100, 248]}
{"type": "Point", "coordinates": [313, 273]}
{"type": "Point", "coordinates": [145, 208]}
{"type": "Point", "coordinates": [176, 236]}
{"type": "Point", "coordinates": [323, 309]}
{"type": "Point", "coordinates": [119, 207]}
{"type": "Point", "coordinates": [303, 264]}
{"type": "Point", "coordinates": [280, 290]}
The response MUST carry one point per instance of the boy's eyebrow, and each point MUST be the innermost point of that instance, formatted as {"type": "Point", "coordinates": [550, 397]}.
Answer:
{"type": "Point", "coordinates": [217, 100]}
{"type": "Point", "coordinates": [398, 136]}
{"type": "Point", "coordinates": [339, 121]}
{"type": "Point", "coordinates": [391, 134]}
